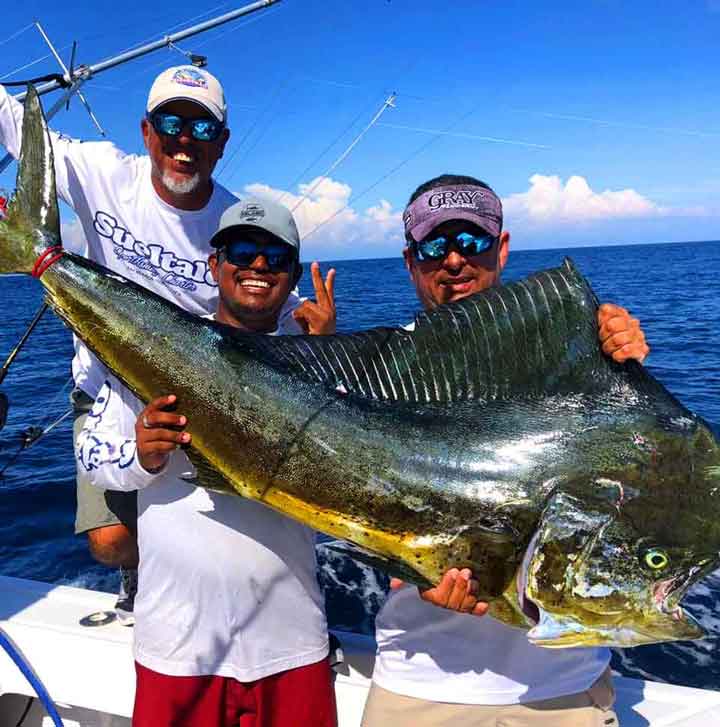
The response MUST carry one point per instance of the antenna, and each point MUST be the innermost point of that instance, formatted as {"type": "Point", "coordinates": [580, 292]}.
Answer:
{"type": "Point", "coordinates": [164, 42]}
{"type": "Point", "coordinates": [75, 77]}
{"type": "Point", "coordinates": [69, 76]}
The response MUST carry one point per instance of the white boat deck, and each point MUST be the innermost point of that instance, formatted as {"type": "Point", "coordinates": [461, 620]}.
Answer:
{"type": "Point", "coordinates": [89, 671]}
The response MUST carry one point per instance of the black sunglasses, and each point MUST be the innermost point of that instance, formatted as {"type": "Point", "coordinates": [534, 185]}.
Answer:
{"type": "Point", "coordinates": [204, 129]}
{"type": "Point", "coordinates": [466, 243]}
{"type": "Point", "coordinates": [243, 254]}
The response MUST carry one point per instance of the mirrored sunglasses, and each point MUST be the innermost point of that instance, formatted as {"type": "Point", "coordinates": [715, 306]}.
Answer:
{"type": "Point", "coordinates": [466, 243]}
{"type": "Point", "coordinates": [205, 129]}
{"type": "Point", "coordinates": [244, 253]}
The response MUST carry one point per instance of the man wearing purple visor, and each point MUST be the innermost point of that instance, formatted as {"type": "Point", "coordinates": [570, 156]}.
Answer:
{"type": "Point", "coordinates": [436, 666]}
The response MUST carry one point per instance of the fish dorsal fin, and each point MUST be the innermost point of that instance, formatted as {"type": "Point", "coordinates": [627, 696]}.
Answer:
{"type": "Point", "coordinates": [528, 337]}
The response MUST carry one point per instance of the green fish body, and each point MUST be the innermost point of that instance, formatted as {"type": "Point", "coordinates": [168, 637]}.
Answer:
{"type": "Point", "coordinates": [493, 436]}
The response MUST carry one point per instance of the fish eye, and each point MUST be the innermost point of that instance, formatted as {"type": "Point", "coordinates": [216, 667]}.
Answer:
{"type": "Point", "coordinates": [656, 559]}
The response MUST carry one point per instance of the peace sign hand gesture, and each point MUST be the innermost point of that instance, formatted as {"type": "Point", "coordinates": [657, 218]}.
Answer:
{"type": "Point", "coordinates": [317, 317]}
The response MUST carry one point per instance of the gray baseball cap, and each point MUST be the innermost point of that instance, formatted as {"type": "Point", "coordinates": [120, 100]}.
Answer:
{"type": "Point", "coordinates": [261, 214]}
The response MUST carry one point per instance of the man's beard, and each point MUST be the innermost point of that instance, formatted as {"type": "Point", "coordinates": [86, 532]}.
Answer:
{"type": "Point", "coordinates": [181, 186]}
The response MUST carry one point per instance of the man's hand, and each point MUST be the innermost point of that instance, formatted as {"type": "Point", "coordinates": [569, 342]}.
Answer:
{"type": "Point", "coordinates": [318, 316]}
{"type": "Point", "coordinates": [159, 432]}
{"type": "Point", "coordinates": [620, 335]}
{"type": "Point", "coordinates": [457, 591]}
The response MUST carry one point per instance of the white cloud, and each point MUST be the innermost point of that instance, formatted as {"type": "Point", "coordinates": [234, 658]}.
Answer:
{"type": "Point", "coordinates": [330, 229]}
{"type": "Point", "coordinates": [549, 200]}
{"type": "Point", "coordinates": [73, 237]}
{"type": "Point", "coordinates": [550, 211]}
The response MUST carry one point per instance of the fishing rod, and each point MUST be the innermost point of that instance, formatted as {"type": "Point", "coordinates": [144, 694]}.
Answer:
{"type": "Point", "coordinates": [4, 403]}
{"type": "Point", "coordinates": [72, 78]}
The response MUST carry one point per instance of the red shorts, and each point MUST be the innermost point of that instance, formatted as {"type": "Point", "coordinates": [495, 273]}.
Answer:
{"type": "Point", "coordinates": [302, 697]}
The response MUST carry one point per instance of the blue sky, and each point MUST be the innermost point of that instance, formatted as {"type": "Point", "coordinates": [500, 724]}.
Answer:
{"type": "Point", "coordinates": [597, 122]}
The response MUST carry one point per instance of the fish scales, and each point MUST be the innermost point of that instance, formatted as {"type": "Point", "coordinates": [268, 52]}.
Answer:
{"type": "Point", "coordinates": [495, 435]}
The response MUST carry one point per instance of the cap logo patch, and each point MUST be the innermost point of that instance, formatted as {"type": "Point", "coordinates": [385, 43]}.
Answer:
{"type": "Point", "coordinates": [252, 212]}
{"type": "Point", "coordinates": [454, 198]}
{"type": "Point", "coordinates": [190, 77]}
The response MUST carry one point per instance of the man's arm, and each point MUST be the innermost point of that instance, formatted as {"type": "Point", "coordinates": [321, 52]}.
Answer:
{"type": "Point", "coordinates": [106, 448]}
{"type": "Point", "coordinates": [11, 117]}
{"type": "Point", "coordinates": [74, 160]}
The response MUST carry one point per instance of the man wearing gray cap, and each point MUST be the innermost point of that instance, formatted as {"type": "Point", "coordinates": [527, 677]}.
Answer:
{"type": "Point", "coordinates": [230, 624]}
{"type": "Point", "coordinates": [148, 218]}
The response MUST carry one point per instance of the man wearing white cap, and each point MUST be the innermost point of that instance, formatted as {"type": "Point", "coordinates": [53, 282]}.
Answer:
{"type": "Point", "coordinates": [150, 218]}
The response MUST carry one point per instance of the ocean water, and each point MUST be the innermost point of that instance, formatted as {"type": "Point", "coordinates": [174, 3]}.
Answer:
{"type": "Point", "coordinates": [673, 289]}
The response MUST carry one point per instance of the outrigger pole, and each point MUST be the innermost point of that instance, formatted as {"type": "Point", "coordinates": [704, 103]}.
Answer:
{"type": "Point", "coordinates": [86, 72]}
{"type": "Point", "coordinates": [74, 78]}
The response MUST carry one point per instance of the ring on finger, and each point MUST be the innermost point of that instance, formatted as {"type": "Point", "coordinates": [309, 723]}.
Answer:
{"type": "Point", "coordinates": [145, 421]}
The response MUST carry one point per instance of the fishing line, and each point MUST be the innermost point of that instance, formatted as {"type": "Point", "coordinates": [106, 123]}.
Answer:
{"type": "Point", "coordinates": [34, 433]}
{"type": "Point", "coordinates": [356, 197]}
{"type": "Point", "coordinates": [389, 103]}
{"type": "Point", "coordinates": [275, 95]}
{"type": "Point", "coordinates": [167, 31]}
{"type": "Point", "coordinates": [16, 33]}
{"type": "Point", "coordinates": [464, 135]}
{"type": "Point", "coordinates": [27, 65]}
{"type": "Point", "coordinates": [61, 392]}
{"type": "Point", "coordinates": [392, 171]}
{"type": "Point", "coordinates": [300, 176]}
{"type": "Point", "coordinates": [617, 124]}
{"type": "Point", "coordinates": [234, 26]}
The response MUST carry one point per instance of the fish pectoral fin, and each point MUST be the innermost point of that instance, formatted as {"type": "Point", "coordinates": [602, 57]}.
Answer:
{"type": "Point", "coordinates": [207, 476]}
{"type": "Point", "coordinates": [394, 568]}
{"type": "Point", "coordinates": [567, 527]}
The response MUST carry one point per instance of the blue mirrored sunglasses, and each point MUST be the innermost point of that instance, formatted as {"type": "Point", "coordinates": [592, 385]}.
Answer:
{"type": "Point", "coordinates": [205, 129]}
{"type": "Point", "coordinates": [466, 243]}
{"type": "Point", "coordinates": [243, 253]}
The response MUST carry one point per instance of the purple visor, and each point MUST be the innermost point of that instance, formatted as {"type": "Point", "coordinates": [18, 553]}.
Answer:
{"type": "Point", "coordinates": [455, 202]}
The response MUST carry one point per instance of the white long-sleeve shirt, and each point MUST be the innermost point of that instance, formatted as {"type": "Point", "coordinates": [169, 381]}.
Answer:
{"type": "Point", "coordinates": [128, 228]}
{"type": "Point", "coordinates": [226, 586]}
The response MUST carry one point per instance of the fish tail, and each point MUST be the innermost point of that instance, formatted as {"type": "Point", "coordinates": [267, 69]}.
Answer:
{"type": "Point", "coordinates": [31, 225]}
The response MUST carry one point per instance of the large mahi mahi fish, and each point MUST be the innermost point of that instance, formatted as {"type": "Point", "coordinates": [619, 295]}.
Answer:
{"type": "Point", "coordinates": [493, 436]}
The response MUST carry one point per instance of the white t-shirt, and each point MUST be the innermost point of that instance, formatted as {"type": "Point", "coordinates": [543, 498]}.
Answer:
{"type": "Point", "coordinates": [128, 228]}
{"type": "Point", "coordinates": [226, 586]}
{"type": "Point", "coordinates": [431, 653]}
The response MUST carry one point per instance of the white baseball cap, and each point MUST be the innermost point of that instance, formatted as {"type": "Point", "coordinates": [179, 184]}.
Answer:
{"type": "Point", "coordinates": [188, 83]}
